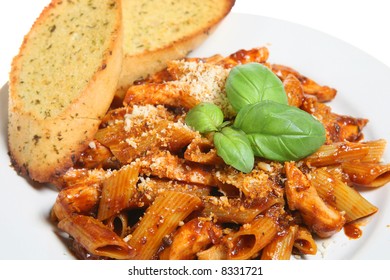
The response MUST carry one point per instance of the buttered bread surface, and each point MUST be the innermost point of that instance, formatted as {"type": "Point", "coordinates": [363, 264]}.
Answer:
{"type": "Point", "coordinates": [61, 84]}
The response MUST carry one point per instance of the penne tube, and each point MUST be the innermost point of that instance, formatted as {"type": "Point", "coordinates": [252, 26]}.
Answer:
{"type": "Point", "coordinates": [336, 193]}
{"type": "Point", "coordinates": [376, 150]}
{"type": "Point", "coordinates": [96, 237]}
{"type": "Point", "coordinates": [305, 242]}
{"type": "Point", "coordinates": [118, 224]}
{"type": "Point", "coordinates": [337, 153]}
{"type": "Point", "coordinates": [118, 190]}
{"type": "Point", "coordinates": [179, 136]}
{"type": "Point", "coordinates": [149, 188]}
{"type": "Point", "coordinates": [280, 248]}
{"type": "Point", "coordinates": [367, 174]}
{"type": "Point", "coordinates": [251, 238]}
{"type": "Point", "coordinates": [160, 220]}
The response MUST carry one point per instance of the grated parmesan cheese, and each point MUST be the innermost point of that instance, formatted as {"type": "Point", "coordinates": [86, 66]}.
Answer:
{"type": "Point", "coordinates": [140, 114]}
{"type": "Point", "coordinates": [131, 143]}
{"type": "Point", "coordinates": [92, 145]}
{"type": "Point", "coordinates": [206, 83]}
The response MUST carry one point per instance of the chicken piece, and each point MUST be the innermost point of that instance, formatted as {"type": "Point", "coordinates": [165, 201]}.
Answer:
{"type": "Point", "coordinates": [302, 196]}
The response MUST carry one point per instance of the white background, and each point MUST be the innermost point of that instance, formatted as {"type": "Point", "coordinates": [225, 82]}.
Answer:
{"type": "Point", "coordinates": [362, 23]}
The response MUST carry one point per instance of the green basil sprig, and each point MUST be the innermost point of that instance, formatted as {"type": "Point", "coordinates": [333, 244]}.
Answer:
{"type": "Point", "coordinates": [265, 125]}
{"type": "Point", "coordinates": [205, 117]}
{"type": "Point", "coordinates": [234, 148]}
{"type": "Point", "coordinates": [280, 132]}
{"type": "Point", "coordinates": [251, 83]}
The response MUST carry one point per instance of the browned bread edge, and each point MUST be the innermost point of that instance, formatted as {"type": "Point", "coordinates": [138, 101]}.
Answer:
{"type": "Point", "coordinates": [44, 148]}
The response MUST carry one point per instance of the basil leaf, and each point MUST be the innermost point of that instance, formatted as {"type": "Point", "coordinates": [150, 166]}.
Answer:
{"type": "Point", "coordinates": [205, 117]}
{"type": "Point", "coordinates": [251, 83]}
{"type": "Point", "coordinates": [280, 132]}
{"type": "Point", "coordinates": [234, 148]}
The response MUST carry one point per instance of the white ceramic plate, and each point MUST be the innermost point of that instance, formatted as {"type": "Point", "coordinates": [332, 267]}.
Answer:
{"type": "Point", "coordinates": [363, 91]}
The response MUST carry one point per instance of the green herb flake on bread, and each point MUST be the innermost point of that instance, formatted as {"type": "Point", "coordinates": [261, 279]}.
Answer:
{"type": "Point", "coordinates": [61, 84]}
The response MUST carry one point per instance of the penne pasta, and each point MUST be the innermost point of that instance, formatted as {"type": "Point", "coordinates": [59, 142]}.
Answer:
{"type": "Point", "coordinates": [367, 174]}
{"type": "Point", "coordinates": [337, 153]}
{"type": "Point", "coordinates": [118, 191]}
{"type": "Point", "coordinates": [376, 150]}
{"type": "Point", "coordinates": [280, 248]}
{"type": "Point", "coordinates": [95, 237]}
{"type": "Point", "coordinates": [304, 242]}
{"type": "Point", "coordinates": [336, 193]}
{"type": "Point", "coordinates": [160, 220]}
{"type": "Point", "coordinates": [118, 224]}
{"type": "Point", "coordinates": [247, 242]}
{"type": "Point", "coordinates": [149, 188]}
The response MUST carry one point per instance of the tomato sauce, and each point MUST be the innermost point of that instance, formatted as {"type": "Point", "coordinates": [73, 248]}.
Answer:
{"type": "Point", "coordinates": [352, 231]}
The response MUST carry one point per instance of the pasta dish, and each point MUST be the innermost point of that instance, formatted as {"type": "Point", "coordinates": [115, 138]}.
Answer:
{"type": "Point", "coordinates": [151, 187]}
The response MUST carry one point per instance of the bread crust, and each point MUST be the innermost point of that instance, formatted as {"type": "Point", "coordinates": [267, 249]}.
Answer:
{"type": "Point", "coordinates": [140, 65]}
{"type": "Point", "coordinates": [43, 148]}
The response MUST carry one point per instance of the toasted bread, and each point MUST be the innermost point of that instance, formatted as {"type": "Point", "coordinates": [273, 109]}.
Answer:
{"type": "Point", "coordinates": [61, 84]}
{"type": "Point", "coordinates": [156, 32]}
